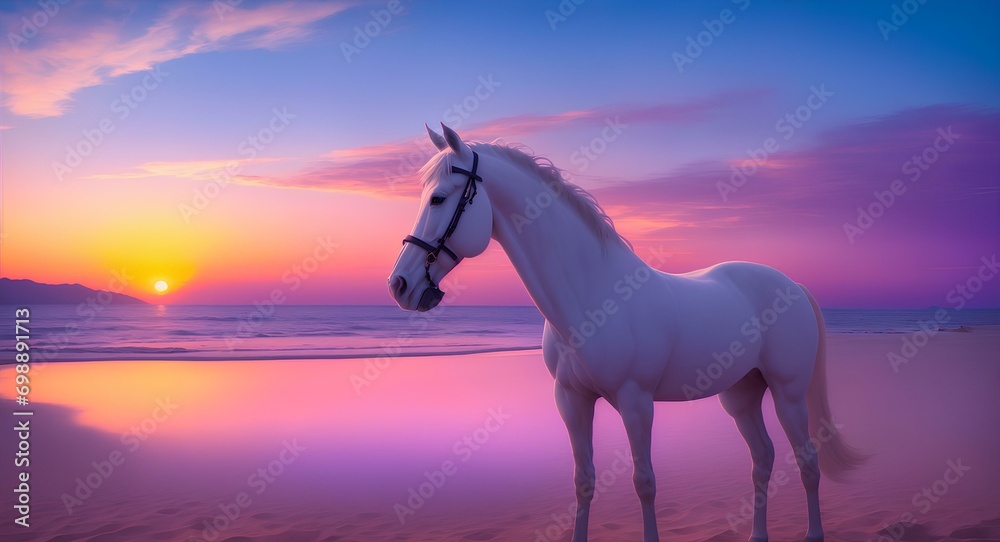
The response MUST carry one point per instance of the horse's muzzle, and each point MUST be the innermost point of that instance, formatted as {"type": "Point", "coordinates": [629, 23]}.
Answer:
{"type": "Point", "coordinates": [430, 299]}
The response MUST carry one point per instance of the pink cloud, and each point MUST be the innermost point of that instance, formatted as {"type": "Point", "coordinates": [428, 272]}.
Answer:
{"type": "Point", "coordinates": [791, 212]}
{"type": "Point", "coordinates": [198, 170]}
{"type": "Point", "coordinates": [389, 169]}
{"type": "Point", "coordinates": [672, 113]}
{"type": "Point", "coordinates": [41, 77]}
{"type": "Point", "coordinates": [835, 176]}
{"type": "Point", "coordinates": [370, 176]}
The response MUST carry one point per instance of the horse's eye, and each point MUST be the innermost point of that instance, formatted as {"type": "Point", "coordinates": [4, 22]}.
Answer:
{"type": "Point", "coordinates": [437, 200]}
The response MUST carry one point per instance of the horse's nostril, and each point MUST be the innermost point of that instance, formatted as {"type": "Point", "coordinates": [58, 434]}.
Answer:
{"type": "Point", "coordinates": [398, 285]}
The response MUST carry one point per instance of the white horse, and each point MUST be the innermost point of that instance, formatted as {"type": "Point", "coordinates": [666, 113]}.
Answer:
{"type": "Point", "coordinates": [618, 329]}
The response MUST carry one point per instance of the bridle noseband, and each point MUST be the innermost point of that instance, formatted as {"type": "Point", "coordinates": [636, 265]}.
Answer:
{"type": "Point", "coordinates": [467, 196]}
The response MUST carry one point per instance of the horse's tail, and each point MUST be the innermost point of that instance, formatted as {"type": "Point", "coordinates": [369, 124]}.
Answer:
{"type": "Point", "coordinates": [836, 457]}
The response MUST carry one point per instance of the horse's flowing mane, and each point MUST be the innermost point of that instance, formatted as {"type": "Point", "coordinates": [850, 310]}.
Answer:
{"type": "Point", "coordinates": [544, 170]}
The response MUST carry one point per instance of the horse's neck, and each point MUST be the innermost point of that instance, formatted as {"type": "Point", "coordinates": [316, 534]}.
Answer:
{"type": "Point", "coordinates": [564, 266]}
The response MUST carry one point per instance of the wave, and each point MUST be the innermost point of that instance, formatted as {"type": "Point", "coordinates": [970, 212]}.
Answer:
{"type": "Point", "coordinates": [130, 353]}
{"type": "Point", "coordinates": [122, 350]}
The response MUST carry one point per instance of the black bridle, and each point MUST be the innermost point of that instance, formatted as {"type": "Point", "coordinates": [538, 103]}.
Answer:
{"type": "Point", "coordinates": [434, 251]}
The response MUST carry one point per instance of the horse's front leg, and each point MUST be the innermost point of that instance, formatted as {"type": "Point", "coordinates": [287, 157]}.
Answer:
{"type": "Point", "coordinates": [577, 412]}
{"type": "Point", "coordinates": [636, 408]}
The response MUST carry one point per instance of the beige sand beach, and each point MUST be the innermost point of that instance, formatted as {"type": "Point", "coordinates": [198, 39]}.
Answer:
{"type": "Point", "coordinates": [292, 451]}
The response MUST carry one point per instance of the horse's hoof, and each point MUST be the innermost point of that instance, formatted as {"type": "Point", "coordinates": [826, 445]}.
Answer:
{"type": "Point", "coordinates": [814, 539]}
{"type": "Point", "coordinates": [757, 539]}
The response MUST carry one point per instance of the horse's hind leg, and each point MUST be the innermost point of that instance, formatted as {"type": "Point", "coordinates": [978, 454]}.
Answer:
{"type": "Point", "coordinates": [742, 402]}
{"type": "Point", "coordinates": [790, 405]}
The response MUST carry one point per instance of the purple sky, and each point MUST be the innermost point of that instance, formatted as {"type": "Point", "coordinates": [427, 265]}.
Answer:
{"type": "Point", "coordinates": [840, 96]}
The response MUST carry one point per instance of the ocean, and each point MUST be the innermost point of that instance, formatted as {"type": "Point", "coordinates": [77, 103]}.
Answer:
{"type": "Point", "coordinates": [199, 332]}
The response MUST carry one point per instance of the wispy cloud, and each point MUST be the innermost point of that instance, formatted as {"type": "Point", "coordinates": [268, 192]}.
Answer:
{"type": "Point", "coordinates": [197, 170]}
{"type": "Point", "coordinates": [667, 113]}
{"type": "Point", "coordinates": [823, 186]}
{"type": "Point", "coordinates": [41, 79]}
{"type": "Point", "coordinates": [387, 169]}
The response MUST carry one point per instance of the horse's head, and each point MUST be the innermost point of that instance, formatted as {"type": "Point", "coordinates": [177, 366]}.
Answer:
{"type": "Point", "coordinates": [454, 221]}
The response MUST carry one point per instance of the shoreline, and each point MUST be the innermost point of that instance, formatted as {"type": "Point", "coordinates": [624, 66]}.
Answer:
{"type": "Point", "coordinates": [314, 355]}
{"type": "Point", "coordinates": [300, 357]}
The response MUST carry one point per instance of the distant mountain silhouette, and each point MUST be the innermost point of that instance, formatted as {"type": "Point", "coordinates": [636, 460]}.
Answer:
{"type": "Point", "coordinates": [29, 292]}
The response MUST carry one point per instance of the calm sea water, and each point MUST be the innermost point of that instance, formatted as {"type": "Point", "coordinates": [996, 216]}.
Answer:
{"type": "Point", "coordinates": [67, 332]}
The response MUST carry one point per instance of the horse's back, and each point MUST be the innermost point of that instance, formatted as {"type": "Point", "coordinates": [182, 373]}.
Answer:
{"type": "Point", "coordinates": [734, 317]}
{"type": "Point", "coordinates": [730, 294]}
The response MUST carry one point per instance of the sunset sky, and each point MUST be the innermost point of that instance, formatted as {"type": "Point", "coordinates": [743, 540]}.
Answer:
{"type": "Point", "coordinates": [117, 116]}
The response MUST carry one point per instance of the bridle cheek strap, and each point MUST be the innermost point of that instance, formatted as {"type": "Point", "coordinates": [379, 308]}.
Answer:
{"type": "Point", "coordinates": [468, 194]}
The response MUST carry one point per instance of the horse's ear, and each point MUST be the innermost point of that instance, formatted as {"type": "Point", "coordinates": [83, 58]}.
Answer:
{"type": "Point", "coordinates": [455, 141]}
{"type": "Point", "coordinates": [436, 138]}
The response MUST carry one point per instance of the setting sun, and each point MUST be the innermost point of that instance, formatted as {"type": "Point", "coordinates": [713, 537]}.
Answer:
{"type": "Point", "coordinates": [161, 286]}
